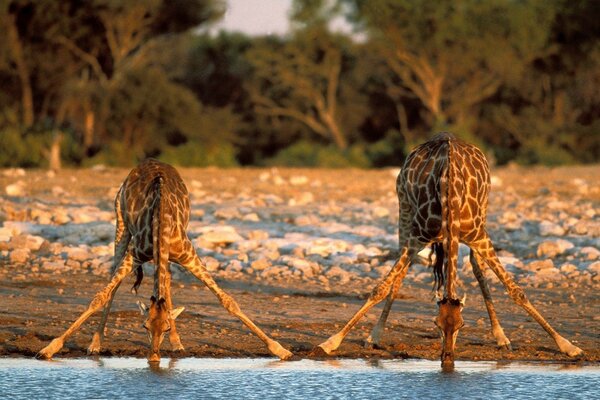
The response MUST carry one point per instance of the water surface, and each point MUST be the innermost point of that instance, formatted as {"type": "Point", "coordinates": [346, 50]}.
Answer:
{"type": "Point", "coordinates": [194, 378]}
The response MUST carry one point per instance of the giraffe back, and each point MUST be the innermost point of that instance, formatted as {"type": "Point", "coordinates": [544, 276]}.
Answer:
{"type": "Point", "coordinates": [136, 204]}
{"type": "Point", "coordinates": [422, 188]}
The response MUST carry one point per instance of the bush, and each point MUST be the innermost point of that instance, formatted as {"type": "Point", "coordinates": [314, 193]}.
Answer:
{"type": "Point", "coordinates": [309, 154]}
{"type": "Point", "coordinates": [196, 154]}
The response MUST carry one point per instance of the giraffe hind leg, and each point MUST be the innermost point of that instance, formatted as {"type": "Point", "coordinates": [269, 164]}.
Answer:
{"type": "Point", "coordinates": [477, 263]}
{"type": "Point", "coordinates": [486, 251]}
{"type": "Point", "coordinates": [190, 261]}
{"type": "Point", "coordinates": [374, 338]}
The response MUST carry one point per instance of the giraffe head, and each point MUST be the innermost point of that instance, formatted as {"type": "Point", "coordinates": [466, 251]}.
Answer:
{"type": "Point", "coordinates": [157, 323]}
{"type": "Point", "coordinates": [449, 321]}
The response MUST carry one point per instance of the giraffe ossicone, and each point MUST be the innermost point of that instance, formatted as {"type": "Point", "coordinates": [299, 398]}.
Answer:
{"type": "Point", "coordinates": [153, 210]}
{"type": "Point", "coordinates": [443, 192]}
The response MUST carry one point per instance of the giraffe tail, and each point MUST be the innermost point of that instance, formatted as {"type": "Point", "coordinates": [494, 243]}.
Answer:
{"type": "Point", "coordinates": [161, 233]}
{"type": "Point", "coordinates": [451, 195]}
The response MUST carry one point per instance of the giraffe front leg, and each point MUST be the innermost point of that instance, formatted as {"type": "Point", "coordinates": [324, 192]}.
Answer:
{"type": "Point", "coordinates": [99, 300]}
{"type": "Point", "coordinates": [374, 338]}
{"type": "Point", "coordinates": [485, 249]}
{"type": "Point", "coordinates": [477, 262]}
{"type": "Point", "coordinates": [377, 295]}
{"type": "Point", "coordinates": [192, 263]}
{"type": "Point", "coordinates": [173, 335]}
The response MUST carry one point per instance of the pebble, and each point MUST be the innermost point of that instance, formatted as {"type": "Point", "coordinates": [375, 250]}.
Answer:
{"type": "Point", "coordinates": [548, 228]}
{"type": "Point", "coordinates": [553, 248]}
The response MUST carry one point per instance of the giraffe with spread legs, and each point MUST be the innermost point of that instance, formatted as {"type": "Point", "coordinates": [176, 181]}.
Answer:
{"type": "Point", "coordinates": [443, 195]}
{"type": "Point", "coordinates": [153, 210]}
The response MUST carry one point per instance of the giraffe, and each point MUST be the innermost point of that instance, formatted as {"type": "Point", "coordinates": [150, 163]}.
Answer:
{"type": "Point", "coordinates": [443, 194]}
{"type": "Point", "coordinates": [152, 211]}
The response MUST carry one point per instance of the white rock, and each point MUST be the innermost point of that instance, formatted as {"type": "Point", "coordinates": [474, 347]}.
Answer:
{"type": "Point", "coordinates": [548, 228]}
{"type": "Point", "coordinates": [552, 248]}
{"type": "Point", "coordinates": [16, 189]}
{"type": "Point", "coordinates": [5, 234]}
{"type": "Point", "coordinates": [339, 273]}
{"type": "Point", "coordinates": [14, 172]}
{"type": "Point", "coordinates": [54, 265]}
{"type": "Point", "coordinates": [538, 265]}
{"type": "Point", "coordinates": [496, 181]}
{"type": "Point", "coordinates": [297, 180]}
{"type": "Point", "coordinates": [381, 212]}
{"type": "Point", "coordinates": [302, 199]}
{"type": "Point", "coordinates": [220, 234]}
{"type": "Point", "coordinates": [567, 268]}
{"type": "Point", "coordinates": [594, 267]}
{"type": "Point", "coordinates": [78, 253]}
{"type": "Point", "coordinates": [590, 253]}
{"type": "Point", "coordinates": [19, 255]}
{"type": "Point", "coordinates": [227, 213]}
{"type": "Point", "coordinates": [251, 217]}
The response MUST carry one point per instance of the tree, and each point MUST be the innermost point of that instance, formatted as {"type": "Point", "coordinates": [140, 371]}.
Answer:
{"type": "Point", "coordinates": [453, 55]}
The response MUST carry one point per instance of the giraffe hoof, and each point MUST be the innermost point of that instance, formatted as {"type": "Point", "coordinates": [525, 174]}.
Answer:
{"type": "Point", "coordinates": [178, 348]}
{"type": "Point", "coordinates": [318, 352]}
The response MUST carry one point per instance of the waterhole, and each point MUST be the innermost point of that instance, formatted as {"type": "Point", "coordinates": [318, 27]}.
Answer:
{"type": "Point", "coordinates": [194, 378]}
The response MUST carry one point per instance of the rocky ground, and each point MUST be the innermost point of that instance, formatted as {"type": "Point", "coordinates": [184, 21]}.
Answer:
{"type": "Point", "coordinates": [300, 250]}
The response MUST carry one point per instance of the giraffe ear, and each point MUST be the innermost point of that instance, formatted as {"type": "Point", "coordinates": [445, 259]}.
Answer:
{"type": "Point", "coordinates": [143, 308]}
{"type": "Point", "coordinates": [176, 311]}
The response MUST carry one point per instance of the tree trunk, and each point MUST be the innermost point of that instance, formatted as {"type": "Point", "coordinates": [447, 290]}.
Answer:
{"type": "Point", "coordinates": [54, 161]}
{"type": "Point", "coordinates": [16, 48]}
{"type": "Point", "coordinates": [88, 130]}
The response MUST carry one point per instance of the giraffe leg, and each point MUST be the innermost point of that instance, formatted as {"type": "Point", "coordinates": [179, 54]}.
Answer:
{"type": "Point", "coordinates": [377, 295]}
{"type": "Point", "coordinates": [498, 332]}
{"type": "Point", "coordinates": [486, 250]}
{"type": "Point", "coordinates": [173, 335]}
{"type": "Point", "coordinates": [99, 300]}
{"type": "Point", "coordinates": [96, 344]}
{"type": "Point", "coordinates": [192, 263]}
{"type": "Point", "coordinates": [374, 337]}
{"type": "Point", "coordinates": [121, 244]}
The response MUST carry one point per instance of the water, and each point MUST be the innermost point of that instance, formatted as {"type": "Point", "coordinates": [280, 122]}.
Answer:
{"type": "Point", "coordinates": [193, 378]}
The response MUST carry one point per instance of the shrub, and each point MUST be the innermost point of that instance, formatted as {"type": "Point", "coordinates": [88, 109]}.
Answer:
{"type": "Point", "coordinates": [310, 154]}
{"type": "Point", "coordinates": [196, 154]}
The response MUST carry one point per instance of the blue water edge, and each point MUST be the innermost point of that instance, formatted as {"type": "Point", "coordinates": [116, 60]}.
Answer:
{"type": "Point", "coordinates": [194, 378]}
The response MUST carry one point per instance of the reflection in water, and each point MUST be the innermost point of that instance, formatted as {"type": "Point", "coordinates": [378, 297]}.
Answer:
{"type": "Point", "coordinates": [271, 379]}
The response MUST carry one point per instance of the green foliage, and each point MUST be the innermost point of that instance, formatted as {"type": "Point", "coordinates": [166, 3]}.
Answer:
{"type": "Point", "coordinates": [309, 154]}
{"type": "Point", "coordinates": [122, 81]}
{"type": "Point", "coordinates": [197, 154]}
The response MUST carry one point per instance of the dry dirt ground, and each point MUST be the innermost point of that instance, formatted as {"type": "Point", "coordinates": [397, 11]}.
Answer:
{"type": "Point", "coordinates": [38, 306]}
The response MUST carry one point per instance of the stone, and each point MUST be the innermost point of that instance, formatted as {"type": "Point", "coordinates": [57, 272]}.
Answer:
{"type": "Point", "coordinates": [297, 180]}
{"type": "Point", "coordinates": [552, 248]}
{"type": "Point", "coordinates": [568, 268]}
{"type": "Point", "coordinates": [594, 267]}
{"type": "Point", "coordinates": [539, 265]}
{"type": "Point", "coordinates": [590, 253]}
{"type": "Point", "coordinates": [19, 256]}
{"type": "Point", "coordinates": [380, 212]}
{"type": "Point", "coordinates": [336, 272]}
{"type": "Point", "coordinates": [220, 235]}
{"type": "Point", "coordinates": [16, 189]}
{"type": "Point", "coordinates": [260, 264]}
{"type": "Point", "coordinates": [78, 253]}
{"type": "Point", "coordinates": [548, 228]}
{"type": "Point", "coordinates": [227, 213]}
{"type": "Point", "coordinates": [302, 199]}
{"type": "Point", "coordinates": [251, 217]}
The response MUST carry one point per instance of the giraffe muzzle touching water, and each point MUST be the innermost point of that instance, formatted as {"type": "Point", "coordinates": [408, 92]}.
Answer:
{"type": "Point", "coordinates": [443, 192]}
{"type": "Point", "coordinates": [152, 211]}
